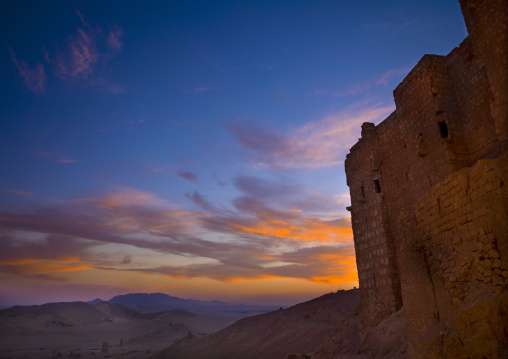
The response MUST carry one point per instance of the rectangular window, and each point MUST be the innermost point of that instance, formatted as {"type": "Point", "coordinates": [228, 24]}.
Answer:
{"type": "Point", "coordinates": [443, 129]}
{"type": "Point", "coordinates": [377, 186]}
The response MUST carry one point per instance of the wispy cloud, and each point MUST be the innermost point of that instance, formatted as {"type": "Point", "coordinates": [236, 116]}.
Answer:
{"type": "Point", "coordinates": [364, 87]}
{"type": "Point", "coordinates": [218, 180]}
{"type": "Point", "coordinates": [79, 56]}
{"type": "Point", "coordinates": [17, 193]}
{"type": "Point", "coordinates": [66, 160]}
{"type": "Point", "coordinates": [390, 74]}
{"type": "Point", "coordinates": [105, 85]}
{"type": "Point", "coordinates": [265, 65]}
{"type": "Point", "coordinates": [351, 90]}
{"type": "Point", "coordinates": [44, 259]}
{"type": "Point", "coordinates": [85, 56]}
{"type": "Point", "coordinates": [34, 79]}
{"type": "Point", "coordinates": [200, 89]}
{"type": "Point", "coordinates": [54, 156]}
{"type": "Point", "coordinates": [188, 176]}
{"type": "Point", "coordinates": [317, 144]}
{"type": "Point", "coordinates": [81, 17]}
{"type": "Point", "coordinates": [114, 39]}
{"type": "Point", "coordinates": [395, 28]}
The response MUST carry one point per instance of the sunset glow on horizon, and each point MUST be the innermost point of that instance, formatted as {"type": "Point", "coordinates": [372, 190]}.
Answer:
{"type": "Point", "coordinates": [192, 148]}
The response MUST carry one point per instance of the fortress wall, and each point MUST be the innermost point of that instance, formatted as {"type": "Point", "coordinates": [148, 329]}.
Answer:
{"type": "Point", "coordinates": [486, 22]}
{"type": "Point", "coordinates": [462, 226]}
{"type": "Point", "coordinates": [471, 127]}
{"type": "Point", "coordinates": [416, 157]}
{"type": "Point", "coordinates": [429, 202]}
{"type": "Point", "coordinates": [379, 282]}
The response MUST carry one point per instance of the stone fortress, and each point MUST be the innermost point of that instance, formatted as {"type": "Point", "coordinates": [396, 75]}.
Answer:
{"type": "Point", "coordinates": [429, 194]}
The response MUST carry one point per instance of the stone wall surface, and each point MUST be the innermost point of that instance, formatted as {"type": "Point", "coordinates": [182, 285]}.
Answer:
{"type": "Point", "coordinates": [429, 197]}
{"type": "Point", "coordinates": [461, 225]}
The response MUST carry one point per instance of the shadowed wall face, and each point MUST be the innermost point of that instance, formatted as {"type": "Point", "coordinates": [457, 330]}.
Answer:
{"type": "Point", "coordinates": [379, 282]}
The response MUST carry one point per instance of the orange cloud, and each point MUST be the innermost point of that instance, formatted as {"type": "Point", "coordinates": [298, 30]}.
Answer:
{"type": "Point", "coordinates": [340, 269]}
{"type": "Point", "coordinates": [350, 277]}
{"type": "Point", "coordinates": [307, 229]}
{"type": "Point", "coordinates": [24, 261]}
{"type": "Point", "coordinates": [256, 242]}
{"type": "Point", "coordinates": [43, 268]}
{"type": "Point", "coordinates": [128, 197]}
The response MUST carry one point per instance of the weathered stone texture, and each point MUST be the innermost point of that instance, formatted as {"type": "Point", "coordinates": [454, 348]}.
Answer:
{"type": "Point", "coordinates": [429, 195]}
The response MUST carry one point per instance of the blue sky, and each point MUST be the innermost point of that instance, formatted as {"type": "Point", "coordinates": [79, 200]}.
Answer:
{"type": "Point", "coordinates": [193, 148]}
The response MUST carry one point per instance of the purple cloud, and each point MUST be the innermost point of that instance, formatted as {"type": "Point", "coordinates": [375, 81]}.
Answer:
{"type": "Point", "coordinates": [188, 176]}
{"type": "Point", "coordinates": [85, 56]}
{"type": "Point", "coordinates": [200, 89]}
{"type": "Point", "coordinates": [34, 79]}
{"type": "Point", "coordinates": [54, 156]}
{"type": "Point", "coordinates": [114, 39]}
{"type": "Point", "coordinates": [317, 144]}
{"type": "Point", "coordinates": [77, 59]}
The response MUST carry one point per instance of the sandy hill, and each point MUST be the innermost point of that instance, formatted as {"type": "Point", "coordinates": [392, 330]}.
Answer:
{"type": "Point", "coordinates": [41, 331]}
{"type": "Point", "coordinates": [40, 317]}
{"type": "Point", "coordinates": [118, 311]}
{"type": "Point", "coordinates": [300, 328]}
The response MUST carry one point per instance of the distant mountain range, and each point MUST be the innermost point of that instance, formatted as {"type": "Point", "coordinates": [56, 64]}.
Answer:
{"type": "Point", "coordinates": [138, 324]}
{"type": "Point", "coordinates": [162, 302]}
{"type": "Point", "coordinates": [36, 331]}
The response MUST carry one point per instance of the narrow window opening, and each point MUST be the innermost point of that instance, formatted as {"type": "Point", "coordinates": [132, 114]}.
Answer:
{"type": "Point", "coordinates": [377, 186]}
{"type": "Point", "coordinates": [374, 277]}
{"type": "Point", "coordinates": [404, 144]}
{"type": "Point", "coordinates": [430, 181]}
{"type": "Point", "coordinates": [363, 191]}
{"type": "Point", "coordinates": [443, 129]}
{"type": "Point", "coordinates": [407, 177]}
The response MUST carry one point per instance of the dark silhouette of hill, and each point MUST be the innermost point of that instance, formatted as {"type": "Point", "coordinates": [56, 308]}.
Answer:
{"type": "Point", "coordinates": [300, 328]}
{"type": "Point", "coordinates": [161, 301]}
{"type": "Point", "coordinates": [95, 301]}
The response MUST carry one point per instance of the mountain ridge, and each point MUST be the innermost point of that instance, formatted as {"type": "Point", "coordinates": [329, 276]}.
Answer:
{"type": "Point", "coordinates": [162, 301]}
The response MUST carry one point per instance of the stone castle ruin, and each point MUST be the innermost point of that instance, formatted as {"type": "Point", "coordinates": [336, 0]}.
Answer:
{"type": "Point", "coordinates": [429, 194]}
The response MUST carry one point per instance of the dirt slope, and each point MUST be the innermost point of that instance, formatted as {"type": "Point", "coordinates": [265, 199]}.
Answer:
{"type": "Point", "coordinates": [300, 328]}
{"type": "Point", "coordinates": [351, 340]}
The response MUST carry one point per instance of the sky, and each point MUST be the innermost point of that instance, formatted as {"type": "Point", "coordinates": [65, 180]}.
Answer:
{"type": "Point", "coordinates": [194, 148]}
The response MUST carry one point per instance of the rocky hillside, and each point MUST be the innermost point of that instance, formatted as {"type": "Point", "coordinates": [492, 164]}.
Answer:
{"type": "Point", "coordinates": [300, 328]}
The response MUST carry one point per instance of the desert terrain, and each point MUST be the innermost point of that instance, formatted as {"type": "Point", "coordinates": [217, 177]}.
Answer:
{"type": "Point", "coordinates": [300, 328]}
{"type": "Point", "coordinates": [79, 329]}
